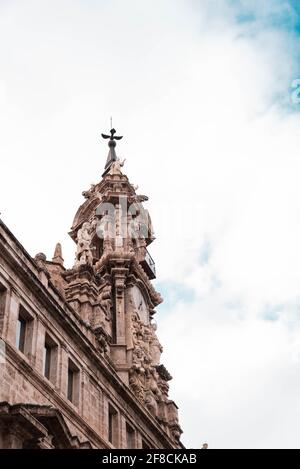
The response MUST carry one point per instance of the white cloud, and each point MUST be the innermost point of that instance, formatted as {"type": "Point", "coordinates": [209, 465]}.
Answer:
{"type": "Point", "coordinates": [194, 93]}
{"type": "Point", "coordinates": [239, 378]}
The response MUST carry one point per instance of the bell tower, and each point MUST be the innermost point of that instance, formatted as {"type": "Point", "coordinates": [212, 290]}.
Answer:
{"type": "Point", "coordinates": [110, 287]}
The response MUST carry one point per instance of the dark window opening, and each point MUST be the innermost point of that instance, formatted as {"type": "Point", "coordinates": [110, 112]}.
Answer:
{"type": "Point", "coordinates": [130, 435]}
{"type": "Point", "coordinates": [70, 385]}
{"type": "Point", "coordinates": [47, 361]}
{"type": "Point", "coordinates": [50, 359]}
{"type": "Point", "coordinates": [112, 426]}
{"type": "Point", "coordinates": [24, 332]}
{"type": "Point", "coordinates": [73, 383]}
{"type": "Point", "coordinates": [21, 334]}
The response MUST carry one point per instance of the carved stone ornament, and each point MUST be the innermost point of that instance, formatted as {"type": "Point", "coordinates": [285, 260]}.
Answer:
{"type": "Point", "coordinates": [84, 238]}
{"type": "Point", "coordinates": [40, 260]}
{"type": "Point", "coordinates": [102, 339]}
{"type": "Point", "coordinates": [115, 169]}
{"type": "Point", "coordinates": [148, 379]}
{"type": "Point", "coordinates": [105, 299]}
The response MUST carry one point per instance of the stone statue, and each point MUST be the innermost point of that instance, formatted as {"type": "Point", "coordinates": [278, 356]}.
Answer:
{"type": "Point", "coordinates": [151, 403]}
{"type": "Point", "coordinates": [138, 360]}
{"type": "Point", "coordinates": [156, 348]}
{"type": "Point", "coordinates": [152, 382]}
{"type": "Point", "coordinates": [106, 301]}
{"type": "Point", "coordinates": [148, 379]}
{"type": "Point", "coordinates": [115, 169]}
{"type": "Point", "coordinates": [84, 238]}
{"type": "Point", "coordinates": [137, 328]}
{"type": "Point", "coordinates": [41, 260]}
{"type": "Point", "coordinates": [131, 229]}
{"type": "Point", "coordinates": [136, 385]}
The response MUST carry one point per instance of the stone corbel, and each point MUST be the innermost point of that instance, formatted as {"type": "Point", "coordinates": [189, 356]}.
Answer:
{"type": "Point", "coordinates": [120, 280]}
{"type": "Point", "coordinates": [44, 274]}
{"type": "Point", "coordinates": [176, 431]}
{"type": "Point", "coordinates": [120, 287]}
{"type": "Point", "coordinates": [45, 442]}
{"type": "Point", "coordinates": [103, 339]}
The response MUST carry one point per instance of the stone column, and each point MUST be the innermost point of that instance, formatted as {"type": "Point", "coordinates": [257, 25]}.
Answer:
{"type": "Point", "coordinates": [39, 348]}
{"type": "Point", "coordinates": [85, 395]}
{"type": "Point", "coordinates": [123, 433]}
{"type": "Point", "coordinates": [63, 376]}
{"type": "Point", "coordinates": [105, 407]}
{"type": "Point", "coordinates": [119, 281]}
{"type": "Point", "coordinates": [12, 318]}
{"type": "Point", "coordinates": [119, 349]}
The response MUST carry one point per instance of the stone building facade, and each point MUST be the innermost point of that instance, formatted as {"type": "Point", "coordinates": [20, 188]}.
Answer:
{"type": "Point", "coordinates": [80, 361]}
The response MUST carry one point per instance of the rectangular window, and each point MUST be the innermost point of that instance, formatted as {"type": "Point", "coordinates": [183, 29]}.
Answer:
{"type": "Point", "coordinates": [47, 361]}
{"type": "Point", "coordinates": [130, 436]}
{"type": "Point", "coordinates": [21, 334]}
{"type": "Point", "coordinates": [24, 332]}
{"type": "Point", "coordinates": [70, 385]}
{"type": "Point", "coordinates": [73, 383]}
{"type": "Point", "coordinates": [50, 359]}
{"type": "Point", "coordinates": [112, 426]}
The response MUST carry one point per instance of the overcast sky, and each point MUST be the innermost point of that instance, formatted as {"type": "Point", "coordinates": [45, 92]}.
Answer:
{"type": "Point", "coordinates": [201, 91]}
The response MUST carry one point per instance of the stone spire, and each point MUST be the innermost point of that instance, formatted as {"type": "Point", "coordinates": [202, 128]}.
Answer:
{"type": "Point", "coordinates": [112, 156]}
{"type": "Point", "coordinates": [58, 258]}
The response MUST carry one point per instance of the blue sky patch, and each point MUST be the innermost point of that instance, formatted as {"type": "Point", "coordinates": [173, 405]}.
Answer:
{"type": "Point", "coordinates": [173, 293]}
{"type": "Point", "coordinates": [278, 14]}
{"type": "Point", "coordinates": [272, 313]}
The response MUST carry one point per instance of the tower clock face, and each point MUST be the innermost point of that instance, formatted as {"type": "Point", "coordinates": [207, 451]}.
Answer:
{"type": "Point", "coordinates": [140, 304]}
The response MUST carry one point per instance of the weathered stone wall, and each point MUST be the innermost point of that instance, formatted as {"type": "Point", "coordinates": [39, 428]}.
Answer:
{"type": "Point", "coordinates": [24, 286]}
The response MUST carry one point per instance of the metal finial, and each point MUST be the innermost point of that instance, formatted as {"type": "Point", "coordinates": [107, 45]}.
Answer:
{"type": "Point", "coordinates": [112, 157]}
{"type": "Point", "coordinates": [112, 135]}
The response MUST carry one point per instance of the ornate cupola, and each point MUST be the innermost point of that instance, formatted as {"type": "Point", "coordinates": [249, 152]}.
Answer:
{"type": "Point", "coordinates": [110, 287]}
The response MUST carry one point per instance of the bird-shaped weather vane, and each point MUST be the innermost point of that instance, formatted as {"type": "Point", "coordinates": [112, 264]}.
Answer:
{"type": "Point", "coordinates": [112, 157]}
{"type": "Point", "coordinates": [112, 135]}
